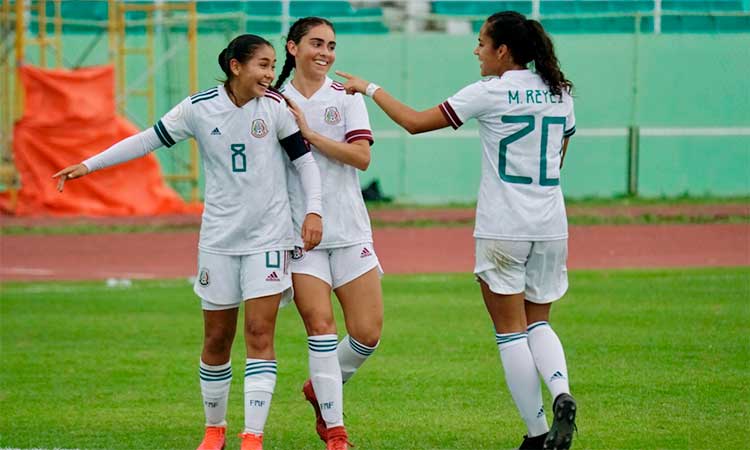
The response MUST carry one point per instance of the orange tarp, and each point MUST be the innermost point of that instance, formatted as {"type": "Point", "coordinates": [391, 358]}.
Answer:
{"type": "Point", "coordinates": [68, 117]}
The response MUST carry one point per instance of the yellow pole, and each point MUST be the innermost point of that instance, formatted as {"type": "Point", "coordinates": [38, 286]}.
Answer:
{"type": "Point", "coordinates": [42, 31]}
{"type": "Point", "coordinates": [20, 55]}
{"type": "Point", "coordinates": [193, 62]}
{"type": "Point", "coordinates": [150, 88]}
{"type": "Point", "coordinates": [6, 124]}
{"type": "Point", "coordinates": [120, 97]}
{"type": "Point", "coordinates": [112, 30]}
{"type": "Point", "coordinates": [58, 34]}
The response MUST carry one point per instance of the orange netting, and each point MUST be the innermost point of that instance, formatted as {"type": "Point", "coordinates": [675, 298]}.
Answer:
{"type": "Point", "coordinates": [68, 117]}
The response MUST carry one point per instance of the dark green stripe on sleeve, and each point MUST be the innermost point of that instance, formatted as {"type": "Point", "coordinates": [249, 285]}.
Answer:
{"type": "Point", "coordinates": [165, 134]}
{"type": "Point", "coordinates": [161, 138]}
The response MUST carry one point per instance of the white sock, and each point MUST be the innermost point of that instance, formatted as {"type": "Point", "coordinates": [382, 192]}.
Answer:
{"type": "Point", "coordinates": [549, 357]}
{"type": "Point", "coordinates": [523, 381]}
{"type": "Point", "coordinates": [215, 382]}
{"type": "Point", "coordinates": [325, 374]}
{"type": "Point", "coordinates": [352, 355]}
{"type": "Point", "coordinates": [260, 381]}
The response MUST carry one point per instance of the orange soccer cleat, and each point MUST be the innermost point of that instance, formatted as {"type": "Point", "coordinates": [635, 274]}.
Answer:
{"type": "Point", "coordinates": [320, 424]}
{"type": "Point", "coordinates": [338, 439]}
{"type": "Point", "coordinates": [213, 439]}
{"type": "Point", "coordinates": [251, 441]}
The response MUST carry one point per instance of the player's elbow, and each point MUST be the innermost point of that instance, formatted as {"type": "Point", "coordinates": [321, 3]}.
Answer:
{"type": "Point", "coordinates": [363, 162]}
{"type": "Point", "coordinates": [415, 125]}
{"type": "Point", "coordinates": [412, 127]}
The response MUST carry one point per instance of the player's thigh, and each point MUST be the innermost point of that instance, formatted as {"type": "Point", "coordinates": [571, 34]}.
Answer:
{"type": "Point", "coordinates": [218, 281]}
{"type": "Point", "coordinates": [356, 273]}
{"type": "Point", "coordinates": [501, 264]}
{"type": "Point", "coordinates": [260, 325]}
{"type": "Point", "coordinates": [313, 299]}
{"type": "Point", "coordinates": [547, 272]}
{"type": "Point", "coordinates": [505, 310]}
{"type": "Point", "coordinates": [361, 300]}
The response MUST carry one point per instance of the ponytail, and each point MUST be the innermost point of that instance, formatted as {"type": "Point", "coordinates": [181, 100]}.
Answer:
{"type": "Point", "coordinates": [224, 63]}
{"type": "Point", "coordinates": [545, 60]}
{"type": "Point", "coordinates": [528, 42]}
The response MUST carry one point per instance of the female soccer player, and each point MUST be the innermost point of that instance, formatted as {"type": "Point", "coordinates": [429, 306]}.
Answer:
{"type": "Point", "coordinates": [525, 121]}
{"type": "Point", "coordinates": [338, 128]}
{"type": "Point", "coordinates": [243, 129]}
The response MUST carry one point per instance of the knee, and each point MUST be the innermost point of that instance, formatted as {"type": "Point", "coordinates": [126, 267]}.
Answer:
{"type": "Point", "coordinates": [369, 337]}
{"type": "Point", "coordinates": [259, 336]}
{"type": "Point", "coordinates": [317, 326]}
{"type": "Point", "coordinates": [218, 341]}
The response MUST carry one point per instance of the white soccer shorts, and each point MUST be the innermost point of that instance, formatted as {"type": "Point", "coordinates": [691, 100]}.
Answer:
{"type": "Point", "coordinates": [535, 268]}
{"type": "Point", "coordinates": [336, 266]}
{"type": "Point", "coordinates": [225, 281]}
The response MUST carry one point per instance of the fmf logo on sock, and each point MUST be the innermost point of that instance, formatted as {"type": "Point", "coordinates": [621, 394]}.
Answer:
{"type": "Point", "coordinates": [257, 403]}
{"type": "Point", "coordinates": [326, 405]}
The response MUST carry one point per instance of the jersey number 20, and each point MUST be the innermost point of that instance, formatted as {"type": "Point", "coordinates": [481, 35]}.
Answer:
{"type": "Point", "coordinates": [530, 126]}
{"type": "Point", "coordinates": [239, 160]}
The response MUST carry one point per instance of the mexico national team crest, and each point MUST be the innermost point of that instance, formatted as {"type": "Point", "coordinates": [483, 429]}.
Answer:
{"type": "Point", "coordinates": [203, 277]}
{"type": "Point", "coordinates": [298, 253]}
{"type": "Point", "coordinates": [259, 128]}
{"type": "Point", "coordinates": [332, 116]}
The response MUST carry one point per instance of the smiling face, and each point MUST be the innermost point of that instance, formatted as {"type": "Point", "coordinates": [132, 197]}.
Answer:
{"type": "Point", "coordinates": [254, 76]}
{"type": "Point", "coordinates": [489, 57]}
{"type": "Point", "coordinates": [315, 53]}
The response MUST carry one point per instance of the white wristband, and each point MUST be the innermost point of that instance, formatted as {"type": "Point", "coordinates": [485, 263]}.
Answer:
{"type": "Point", "coordinates": [371, 88]}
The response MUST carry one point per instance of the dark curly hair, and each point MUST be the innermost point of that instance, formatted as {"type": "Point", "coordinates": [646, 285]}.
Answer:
{"type": "Point", "coordinates": [527, 42]}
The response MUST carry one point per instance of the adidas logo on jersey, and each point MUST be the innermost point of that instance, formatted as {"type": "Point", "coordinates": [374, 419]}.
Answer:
{"type": "Point", "coordinates": [216, 132]}
{"type": "Point", "coordinates": [365, 253]}
{"type": "Point", "coordinates": [272, 277]}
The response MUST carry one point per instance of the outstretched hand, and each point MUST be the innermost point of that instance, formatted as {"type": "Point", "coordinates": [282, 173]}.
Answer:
{"type": "Point", "coordinates": [70, 173]}
{"type": "Point", "coordinates": [353, 84]}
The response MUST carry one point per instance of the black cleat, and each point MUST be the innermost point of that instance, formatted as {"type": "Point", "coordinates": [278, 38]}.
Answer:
{"type": "Point", "coordinates": [533, 443]}
{"type": "Point", "coordinates": [560, 435]}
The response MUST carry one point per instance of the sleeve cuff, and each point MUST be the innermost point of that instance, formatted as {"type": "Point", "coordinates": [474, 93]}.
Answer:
{"type": "Point", "coordinates": [570, 132]}
{"type": "Point", "coordinates": [357, 135]}
{"type": "Point", "coordinates": [163, 134]}
{"type": "Point", "coordinates": [450, 115]}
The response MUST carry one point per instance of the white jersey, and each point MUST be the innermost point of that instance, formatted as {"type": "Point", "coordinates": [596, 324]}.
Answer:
{"type": "Point", "coordinates": [522, 127]}
{"type": "Point", "coordinates": [246, 202]}
{"type": "Point", "coordinates": [343, 118]}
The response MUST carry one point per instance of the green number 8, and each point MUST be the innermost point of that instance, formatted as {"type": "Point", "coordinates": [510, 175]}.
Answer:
{"type": "Point", "coordinates": [239, 160]}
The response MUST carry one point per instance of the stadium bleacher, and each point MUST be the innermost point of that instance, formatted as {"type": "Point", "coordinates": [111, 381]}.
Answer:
{"type": "Point", "coordinates": [558, 16]}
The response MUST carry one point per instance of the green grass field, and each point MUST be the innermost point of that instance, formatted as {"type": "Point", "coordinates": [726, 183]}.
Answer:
{"type": "Point", "coordinates": [657, 359]}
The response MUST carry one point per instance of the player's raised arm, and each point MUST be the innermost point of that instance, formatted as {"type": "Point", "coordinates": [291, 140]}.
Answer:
{"type": "Point", "coordinates": [410, 119]}
{"type": "Point", "coordinates": [129, 148]}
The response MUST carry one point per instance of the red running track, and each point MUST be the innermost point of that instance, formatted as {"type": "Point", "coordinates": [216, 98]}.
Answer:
{"type": "Point", "coordinates": [401, 250]}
